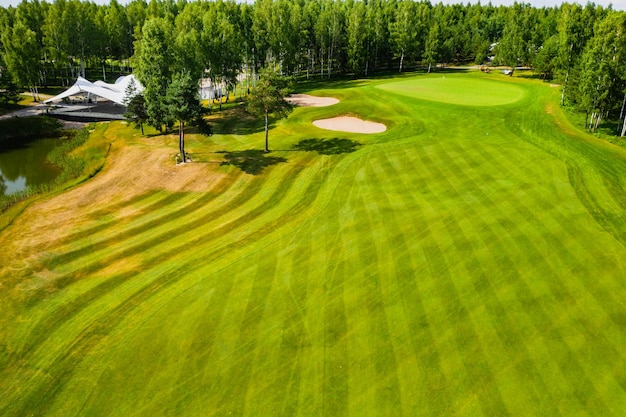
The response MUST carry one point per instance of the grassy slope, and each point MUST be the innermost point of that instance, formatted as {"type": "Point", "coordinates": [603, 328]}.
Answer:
{"type": "Point", "coordinates": [466, 262]}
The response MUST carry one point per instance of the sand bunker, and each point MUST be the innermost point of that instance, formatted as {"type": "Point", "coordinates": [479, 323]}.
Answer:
{"type": "Point", "coordinates": [350, 124]}
{"type": "Point", "coordinates": [304, 100]}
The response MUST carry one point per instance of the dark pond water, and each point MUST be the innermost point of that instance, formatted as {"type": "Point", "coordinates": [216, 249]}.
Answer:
{"type": "Point", "coordinates": [23, 164]}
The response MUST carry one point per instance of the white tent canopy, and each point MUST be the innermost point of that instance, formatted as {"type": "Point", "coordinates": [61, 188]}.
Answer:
{"type": "Point", "coordinates": [112, 92]}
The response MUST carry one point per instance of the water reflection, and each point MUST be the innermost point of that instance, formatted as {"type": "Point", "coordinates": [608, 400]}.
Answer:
{"type": "Point", "coordinates": [23, 164]}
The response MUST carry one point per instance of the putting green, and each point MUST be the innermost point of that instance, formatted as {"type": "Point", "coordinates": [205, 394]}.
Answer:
{"type": "Point", "coordinates": [450, 89]}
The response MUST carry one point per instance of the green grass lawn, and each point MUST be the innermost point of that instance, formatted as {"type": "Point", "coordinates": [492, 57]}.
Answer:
{"type": "Point", "coordinates": [469, 261]}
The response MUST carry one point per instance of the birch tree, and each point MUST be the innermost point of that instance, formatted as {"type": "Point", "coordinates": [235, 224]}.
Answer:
{"type": "Point", "coordinates": [183, 104]}
{"type": "Point", "coordinates": [268, 98]}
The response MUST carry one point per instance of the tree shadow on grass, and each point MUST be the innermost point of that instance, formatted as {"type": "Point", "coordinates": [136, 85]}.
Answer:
{"type": "Point", "coordinates": [251, 161]}
{"type": "Point", "coordinates": [334, 146]}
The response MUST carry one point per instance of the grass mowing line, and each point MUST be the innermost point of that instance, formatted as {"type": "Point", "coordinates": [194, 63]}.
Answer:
{"type": "Point", "coordinates": [593, 205]}
{"type": "Point", "coordinates": [205, 341]}
{"type": "Point", "coordinates": [278, 348]}
{"type": "Point", "coordinates": [385, 174]}
{"type": "Point", "coordinates": [129, 210]}
{"type": "Point", "coordinates": [581, 154]}
{"type": "Point", "coordinates": [530, 246]}
{"type": "Point", "coordinates": [412, 301]}
{"type": "Point", "coordinates": [453, 232]}
{"type": "Point", "coordinates": [115, 230]}
{"type": "Point", "coordinates": [136, 242]}
{"type": "Point", "coordinates": [500, 324]}
{"type": "Point", "coordinates": [75, 339]}
{"type": "Point", "coordinates": [386, 360]}
{"type": "Point", "coordinates": [560, 289]}
{"type": "Point", "coordinates": [64, 307]}
{"type": "Point", "coordinates": [463, 245]}
{"type": "Point", "coordinates": [489, 400]}
{"type": "Point", "coordinates": [141, 222]}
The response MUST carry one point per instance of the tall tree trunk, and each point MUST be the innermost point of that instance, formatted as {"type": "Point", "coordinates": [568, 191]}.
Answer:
{"type": "Point", "coordinates": [599, 118]}
{"type": "Point", "coordinates": [267, 143]}
{"type": "Point", "coordinates": [330, 60]}
{"type": "Point", "coordinates": [621, 112]}
{"type": "Point", "coordinates": [569, 60]}
{"type": "Point", "coordinates": [181, 140]}
{"type": "Point", "coordinates": [564, 87]}
{"type": "Point", "coordinates": [367, 59]}
{"type": "Point", "coordinates": [401, 60]}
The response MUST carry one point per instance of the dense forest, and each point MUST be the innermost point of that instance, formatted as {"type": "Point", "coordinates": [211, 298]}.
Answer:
{"type": "Point", "coordinates": [582, 48]}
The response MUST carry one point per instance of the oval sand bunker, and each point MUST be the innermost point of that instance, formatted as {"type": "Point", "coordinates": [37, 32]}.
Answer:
{"type": "Point", "coordinates": [350, 124]}
{"type": "Point", "coordinates": [305, 100]}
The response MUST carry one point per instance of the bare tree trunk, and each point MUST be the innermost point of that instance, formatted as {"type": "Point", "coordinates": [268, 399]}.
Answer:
{"type": "Point", "coordinates": [598, 119]}
{"type": "Point", "coordinates": [401, 60]}
{"type": "Point", "coordinates": [367, 59]}
{"type": "Point", "coordinates": [564, 87]}
{"type": "Point", "coordinates": [330, 60]}
{"type": "Point", "coordinates": [181, 140]}
{"type": "Point", "coordinates": [621, 112]}
{"type": "Point", "coordinates": [267, 143]}
{"type": "Point", "coordinates": [569, 60]}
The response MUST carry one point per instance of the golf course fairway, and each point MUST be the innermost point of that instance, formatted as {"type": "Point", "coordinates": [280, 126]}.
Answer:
{"type": "Point", "coordinates": [469, 261]}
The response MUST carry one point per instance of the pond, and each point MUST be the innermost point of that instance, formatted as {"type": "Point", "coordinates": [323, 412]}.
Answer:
{"type": "Point", "coordinates": [23, 164]}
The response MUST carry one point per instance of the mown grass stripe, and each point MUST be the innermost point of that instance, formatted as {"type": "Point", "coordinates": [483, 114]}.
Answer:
{"type": "Point", "coordinates": [142, 218]}
{"type": "Point", "coordinates": [335, 389]}
{"type": "Point", "coordinates": [490, 398]}
{"type": "Point", "coordinates": [521, 210]}
{"type": "Point", "coordinates": [189, 226]}
{"type": "Point", "coordinates": [561, 290]}
{"type": "Point", "coordinates": [226, 249]}
{"type": "Point", "coordinates": [511, 351]}
{"type": "Point", "coordinates": [179, 215]}
{"type": "Point", "coordinates": [431, 395]}
{"type": "Point", "coordinates": [391, 206]}
{"type": "Point", "coordinates": [237, 380]}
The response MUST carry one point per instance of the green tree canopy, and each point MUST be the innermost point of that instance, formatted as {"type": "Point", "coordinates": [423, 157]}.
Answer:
{"type": "Point", "coordinates": [154, 66]}
{"type": "Point", "coordinates": [183, 104]}
{"type": "Point", "coordinates": [268, 98]}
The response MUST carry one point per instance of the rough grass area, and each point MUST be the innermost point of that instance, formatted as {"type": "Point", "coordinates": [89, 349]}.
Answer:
{"type": "Point", "coordinates": [469, 261]}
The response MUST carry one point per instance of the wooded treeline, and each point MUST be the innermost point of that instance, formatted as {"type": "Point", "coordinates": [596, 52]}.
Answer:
{"type": "Point", "coordinates": [583, 48]}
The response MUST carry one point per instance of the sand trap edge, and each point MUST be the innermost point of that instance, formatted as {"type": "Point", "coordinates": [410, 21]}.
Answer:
{"type": "Point", "coordinates": [350, 124]}
{"type": "Point", "coordinates": [305, 100]}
